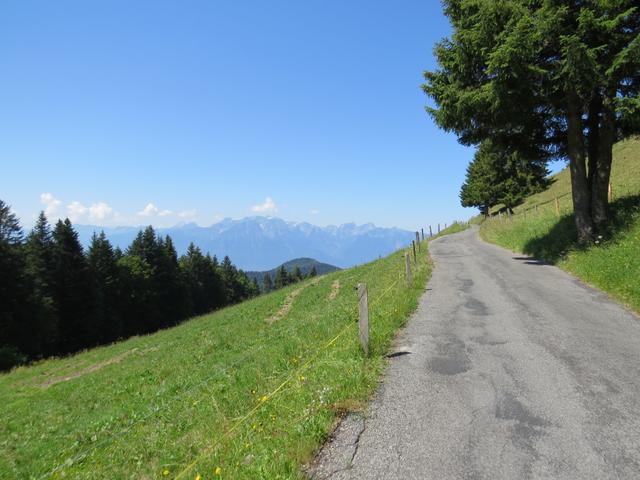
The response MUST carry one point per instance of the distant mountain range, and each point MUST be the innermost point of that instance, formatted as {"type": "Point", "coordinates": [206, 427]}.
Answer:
{"type": "Point", "coordinates": [304, 264]}
{"type": "Point", "coordinates": [260, 243]}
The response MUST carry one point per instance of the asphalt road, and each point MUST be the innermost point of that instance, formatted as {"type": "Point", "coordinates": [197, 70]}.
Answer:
{"type": "Point", "coordinates": [510, 369]}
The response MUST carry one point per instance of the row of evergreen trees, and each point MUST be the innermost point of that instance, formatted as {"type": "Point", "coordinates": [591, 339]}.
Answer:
{"type": "Point", "coordinates": [56, 298]}
{"type": "Point", "coordinates": [283, 278]}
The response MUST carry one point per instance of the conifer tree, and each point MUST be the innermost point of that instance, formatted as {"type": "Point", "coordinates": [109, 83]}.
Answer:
{"type": "Point", "coordinates": [137, 300]}
{"type": "Point", "coordinates": [297, 274]}
{"type": "Point", "coordinates": [71, 290]}
{"type": "Point", "coordinates": [498, 176]}
{"type": "Point", "coordinates": [255, 287]}
{"type": "Point", "coordinates": [142, 269]}
{"type": "Point", "coordinates": [215, 284]}
{"type": "Point", "coordinates": [15, 334]}
{"type": "Point", "coordinates": [267, 283]}
{"type": "Point", "coordinates": [313, 272]}
{"type": "Point", "coordinates": [202, 281]}
{"type": "Point", "coordinates": [282, 278]}
{"type": "Point", "coordinates": [229, 280]}
{"type": "Point", "coordinates": [103, 270]}
{"type": "Point", "coordinates": [38, 268]}
{"type": "Point", "coordinates": [547, 79]}
{"type": "Point", "coordinates": [170, 284]}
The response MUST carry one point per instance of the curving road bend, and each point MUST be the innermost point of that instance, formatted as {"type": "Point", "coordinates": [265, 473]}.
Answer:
{"type": "Point", "coordinates": [509, 369]}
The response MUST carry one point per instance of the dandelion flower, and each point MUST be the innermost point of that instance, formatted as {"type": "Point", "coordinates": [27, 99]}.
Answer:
{"type": "Point", "coordinates": [218, 471]}
{"type": "Point", "coordinates": [264, 398]}
{"type": "Point", "coordinates": [198, 477]}
{"type": "Point", "coordinates": [165, 472]}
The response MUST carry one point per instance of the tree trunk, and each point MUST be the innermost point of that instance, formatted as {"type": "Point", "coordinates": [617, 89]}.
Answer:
{"type": "Point", "coordinates": [577, 166]}
{"type": "Point", "coordinates": [600, 179]}
{"type": "Point", "coordinates": [593, 137]}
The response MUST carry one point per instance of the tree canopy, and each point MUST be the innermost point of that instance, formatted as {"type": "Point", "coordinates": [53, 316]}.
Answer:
{"type": "Point", "coordinates": [546, 78]}
{"type": "Point", "coordinates": [55, 298]}
{"type": "Point", "coordinates": [496, 176]}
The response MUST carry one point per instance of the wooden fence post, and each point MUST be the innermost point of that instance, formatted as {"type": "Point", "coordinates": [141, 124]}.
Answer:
{"type": "Point", "coordinates": [418, 240]}
{"type": "Point", "coordinates": [557, 207]}
{"type": "Point", "coordinates": [430, 232]}
{"type": "Point", "coordinates": [363, 319]}
{"type": "Point", "coordinates": [407, 269]}
{"type": "Point", "coordinates": [438, 228]}
{"type": "Point", "coordinates": [422, 231]}
{"type": "Point", "coordinates": [415, 258]}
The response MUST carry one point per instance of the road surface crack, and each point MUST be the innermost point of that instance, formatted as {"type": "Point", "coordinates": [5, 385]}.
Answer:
{"type": "Point", "coordinates": [356, 446]}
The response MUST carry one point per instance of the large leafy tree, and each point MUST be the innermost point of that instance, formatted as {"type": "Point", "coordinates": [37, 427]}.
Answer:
{"type": "Point", "coordinates": [547, 78]}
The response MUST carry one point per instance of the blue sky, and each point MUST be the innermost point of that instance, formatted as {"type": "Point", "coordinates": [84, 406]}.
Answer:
{"type": "Point", "coordinates": [122, 112]}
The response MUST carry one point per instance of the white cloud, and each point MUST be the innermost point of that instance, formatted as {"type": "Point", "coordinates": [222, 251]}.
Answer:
{"type": "Point", "coordinates": [96, 213]}
{"type": "Point", "coordinates": [268, 206]}
{"type": "Point", "coordinates": [148, 211]}
{"type": "Point", "coordinates": [76, 211]}
{"type": "Point", "coordinates": [51, 204]}
{"type": "Point", "coordinates": [100, 211]}
{"type": "Point", "coordinates": [151, 211]}
{"type": "Point", "coordinates": [314, 211]}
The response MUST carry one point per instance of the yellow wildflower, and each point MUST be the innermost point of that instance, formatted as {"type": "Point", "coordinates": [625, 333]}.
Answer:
{"type": "Point", "coordinates": [198, 477]}
{"type": "Point", "coordinates": [264, 398]}
{"type": "Point", "coordinates": [165, 472]}
{"type": "Point", "coordinates": [218, 471]}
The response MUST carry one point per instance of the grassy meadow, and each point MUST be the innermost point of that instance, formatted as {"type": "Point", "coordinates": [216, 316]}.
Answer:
{"type": "Point", "coordinates": [613, 263]}
{"type": "Point", "coordinates": [246, 392]}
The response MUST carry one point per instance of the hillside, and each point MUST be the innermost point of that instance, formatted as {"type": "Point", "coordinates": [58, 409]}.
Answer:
{"type": "Point", "coordinates": [247, 392]}
{"type": "Point", "coordinates": [613, 263]}
{"type": "Point", "coordinates": [259, 243]}
{"type": "Point", "coordinates": [305, 265]}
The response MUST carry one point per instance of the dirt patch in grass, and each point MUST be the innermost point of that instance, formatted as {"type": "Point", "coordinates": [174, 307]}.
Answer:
{"type": "Point", "coordinates": [286, 306]}
{"type": "Point", "coordinates": [93, 368]}
{"type": "Point", "coordinates": [288, 302]}
{"type": "Point", "coordinates": [335, 289]}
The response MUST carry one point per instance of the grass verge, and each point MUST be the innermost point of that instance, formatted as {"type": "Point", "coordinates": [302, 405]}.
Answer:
{"type": "Point", "coordinates": [226, 395]}
{"type": "Point", "coordinates": [613, 263]}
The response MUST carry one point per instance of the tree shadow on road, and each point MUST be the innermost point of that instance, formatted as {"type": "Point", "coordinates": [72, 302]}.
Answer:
{"type": "Point", "coordinates": [562, 237]}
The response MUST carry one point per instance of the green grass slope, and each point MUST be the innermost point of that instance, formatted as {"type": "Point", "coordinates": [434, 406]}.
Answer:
{"type": "Point", "coordinates": [247, 392]}
{"type": "Point", "coordinates": [613, 264]}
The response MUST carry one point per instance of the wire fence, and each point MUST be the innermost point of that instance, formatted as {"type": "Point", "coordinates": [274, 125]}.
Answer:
{"type": "Point", "coordinates": [221, 370]}
{"type": "Point", "coordinates": [622, 189]}
{"type": "Point", "coordinates": [293, 375]}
